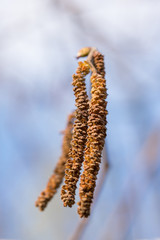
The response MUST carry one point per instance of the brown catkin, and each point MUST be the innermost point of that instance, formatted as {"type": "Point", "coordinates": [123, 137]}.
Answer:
{"type": "Point", "coordinates": [57, 177]}
{"type": "Point", "coordinates": [74, 163]}
{"type": "Point", "coordinates": [98, 61]}
{"type": "Point", "coordinates": [96, 134]}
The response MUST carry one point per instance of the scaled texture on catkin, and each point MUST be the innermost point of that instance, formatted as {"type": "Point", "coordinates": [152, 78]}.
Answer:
{"type": "Point", "coordinates": [98, 61]}
{"type": "Point", "coordinates": [74, 162]}
{"type": "Point", "coordinates": [57, 177]}
{"type": "Point", "coordinates": [96, 134]}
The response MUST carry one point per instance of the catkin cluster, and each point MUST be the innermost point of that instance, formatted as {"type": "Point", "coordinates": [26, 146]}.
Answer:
{"type": "Point", "coordinates": [57, 177]}
{"type": "Point", "coordinates": [85, 143]}
{"type": "Point", "coordinates": [74, 162]}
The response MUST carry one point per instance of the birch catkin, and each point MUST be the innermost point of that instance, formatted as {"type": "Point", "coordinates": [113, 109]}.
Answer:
{"type": "Point", "coordinates": [98, 61]}
{"type": "Point", "coordinates": [57, 177]}
{"type": "Point", "coordinates": [96, 134]}
{"type": "Point", "coordinates": [74, 163]}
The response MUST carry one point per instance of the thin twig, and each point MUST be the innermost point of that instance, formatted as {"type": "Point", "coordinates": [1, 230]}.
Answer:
{"type": "Point", "coordinates": [89, 59]}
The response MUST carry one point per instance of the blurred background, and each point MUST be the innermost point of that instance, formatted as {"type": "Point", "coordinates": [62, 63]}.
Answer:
{"type": "Point", "coordinates": [38, 44]}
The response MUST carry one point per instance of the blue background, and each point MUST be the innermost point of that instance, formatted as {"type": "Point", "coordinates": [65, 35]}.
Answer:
{"type": "Point", "coordinates": [38, 44]}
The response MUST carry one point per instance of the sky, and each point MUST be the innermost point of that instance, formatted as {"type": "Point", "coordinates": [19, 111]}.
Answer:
{"type": "Point", "coordinates": [38, 44]}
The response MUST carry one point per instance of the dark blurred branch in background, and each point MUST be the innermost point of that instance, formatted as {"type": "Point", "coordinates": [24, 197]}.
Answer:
{"type": "Point", "coordinates": [79, 231]}
{"type": "Point", "coordinates": [90, 33]}
{"type": "Point", "coordinates": [144, 174]}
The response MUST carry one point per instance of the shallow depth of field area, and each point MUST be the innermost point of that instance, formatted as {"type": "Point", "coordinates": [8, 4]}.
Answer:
{"type": "Point", "coordinates": [39, 41]}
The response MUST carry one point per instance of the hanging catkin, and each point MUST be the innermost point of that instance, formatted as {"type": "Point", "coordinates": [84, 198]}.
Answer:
{"type": "Point", "coordinates": [74, 163]}
{"type": "Point", "coordinates": [57, 177]}
{"type": "Point", "coordinates": [96, 134]}
{"type": "Point", "coordinates": [98, 61]}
